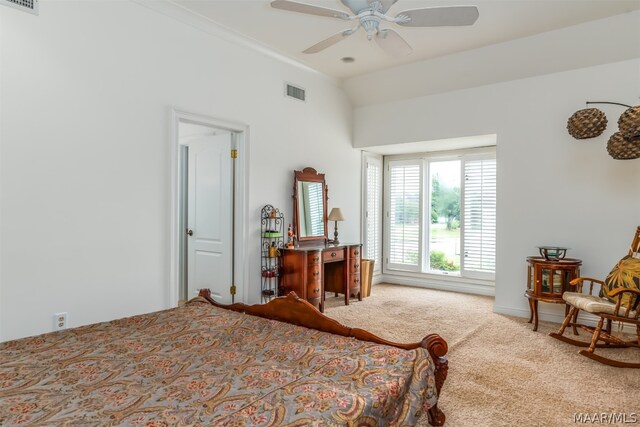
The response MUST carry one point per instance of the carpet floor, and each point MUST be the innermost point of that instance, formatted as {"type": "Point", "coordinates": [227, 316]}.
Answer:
{"type": "Point", "coordinates": [501, 373]}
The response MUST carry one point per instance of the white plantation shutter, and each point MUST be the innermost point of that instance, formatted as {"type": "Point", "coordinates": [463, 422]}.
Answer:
{"type": "Point", "coordinates": [479, 225]}
{"type": "Point", "coordinates": [404, 214]}
{"type": "Point", "coordinates": [315, 205]}
{"type": "Point", "coordinates": [373, 214]}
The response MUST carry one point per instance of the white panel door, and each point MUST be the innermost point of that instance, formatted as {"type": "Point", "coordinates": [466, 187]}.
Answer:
{"type": "Point", "coordinates": [209, 210]}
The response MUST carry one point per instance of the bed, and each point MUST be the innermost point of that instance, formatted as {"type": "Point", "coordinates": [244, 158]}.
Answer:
{"type": "Point", "coordinates": [223, 365]}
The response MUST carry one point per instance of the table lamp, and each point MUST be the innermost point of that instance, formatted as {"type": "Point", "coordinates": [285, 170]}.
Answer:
{"type": "Point", "coordinates": [335, 215]}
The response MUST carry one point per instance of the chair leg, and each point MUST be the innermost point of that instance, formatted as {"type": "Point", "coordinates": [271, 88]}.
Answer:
{"type": "Point", "coordinates": [575, 322]}
{"type": "Point", "coordinates": [566, 321]}
{"type": "Point", "coordinates": [596, 336]}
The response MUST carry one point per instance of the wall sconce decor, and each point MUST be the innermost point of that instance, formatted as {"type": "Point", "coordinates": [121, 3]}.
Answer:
{"type": "Point", "coordinates": [591, 122]}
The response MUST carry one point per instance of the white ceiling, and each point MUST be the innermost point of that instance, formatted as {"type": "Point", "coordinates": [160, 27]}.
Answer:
{"type": "Point", "coordinates": [289, 33]}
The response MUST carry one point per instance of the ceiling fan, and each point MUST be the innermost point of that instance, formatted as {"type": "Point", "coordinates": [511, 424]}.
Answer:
{"type": "Point", "coordinates": [369, 14]}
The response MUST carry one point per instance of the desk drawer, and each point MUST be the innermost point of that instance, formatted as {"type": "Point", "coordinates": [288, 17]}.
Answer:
{"type": "Point", "coordinates": [354, 284]}
{"type": "Point", "coordinates": [313, 290]}
{"type": "Point", "coordinates": [315, 274]}
{"type": "Point", "coordinates": [329, 255]}
{"type": "Point", "coordinates": [354, 252]}
{"type": "Point", "coordinates": [313, 258]}
{"type": "Point", "coordinates": [354, 266]}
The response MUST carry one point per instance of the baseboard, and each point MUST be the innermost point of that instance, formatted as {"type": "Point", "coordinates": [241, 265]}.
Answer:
{"type": "Point", "coordinates": [546, 316]}
{"type": "Point", "coordinates": [584, 317]}
{"type": "Point", "coordinates": [443, 285]}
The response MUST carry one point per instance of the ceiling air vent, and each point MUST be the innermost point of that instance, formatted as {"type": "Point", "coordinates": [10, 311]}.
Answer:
{"type": "Point", "coordinates": [31, 6]}
{"type": "Point", "coordinates": [295, 92]}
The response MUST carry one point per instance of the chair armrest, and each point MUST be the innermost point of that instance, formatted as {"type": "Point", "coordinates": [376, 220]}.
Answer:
{"type": "Point", "coordinates": [579, 282]}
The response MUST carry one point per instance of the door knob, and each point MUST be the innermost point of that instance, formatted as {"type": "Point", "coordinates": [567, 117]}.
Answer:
{"type": "Point", "coordinates": [189, 232]}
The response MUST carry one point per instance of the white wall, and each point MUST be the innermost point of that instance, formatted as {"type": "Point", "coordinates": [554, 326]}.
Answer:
{"type": "Point", "coordinates": [552, 189]}
{"type": "Point", "coordinates": [87, 89]}
{"type": "Point", "coordinates": [603, 41]}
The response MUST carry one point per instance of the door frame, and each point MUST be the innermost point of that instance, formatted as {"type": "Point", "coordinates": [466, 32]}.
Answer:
{"type": "Point", "coordinates": [240, 139]}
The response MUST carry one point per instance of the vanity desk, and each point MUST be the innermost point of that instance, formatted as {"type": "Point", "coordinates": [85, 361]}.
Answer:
{"type": "Point", "coordinates": [316, 265]}
{"type": "Point", "coordinates": [310, 271]}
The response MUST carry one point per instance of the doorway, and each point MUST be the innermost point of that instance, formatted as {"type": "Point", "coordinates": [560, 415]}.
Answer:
{"type": "Point", "coordinates": [208, 193]}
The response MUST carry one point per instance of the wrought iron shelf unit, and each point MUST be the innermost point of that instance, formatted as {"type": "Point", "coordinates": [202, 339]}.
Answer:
{"type": "Point", "coordinates": [271, 245]}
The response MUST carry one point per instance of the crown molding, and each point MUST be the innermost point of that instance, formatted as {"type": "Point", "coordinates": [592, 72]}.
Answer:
{"type": "Point", "coordinates": [203, 23]}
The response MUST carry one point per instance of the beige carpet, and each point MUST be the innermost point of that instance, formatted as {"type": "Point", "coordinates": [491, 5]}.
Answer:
{"type": "Point", "coordinates": [501, 373]}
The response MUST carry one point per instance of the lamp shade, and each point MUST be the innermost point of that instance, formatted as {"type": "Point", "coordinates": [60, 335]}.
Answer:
{"type": "Point", "coordinates": [335, 215]}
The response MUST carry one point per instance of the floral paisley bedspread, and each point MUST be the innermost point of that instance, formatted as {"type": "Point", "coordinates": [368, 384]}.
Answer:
{"type": "Point", "coordinates": [205, 366]}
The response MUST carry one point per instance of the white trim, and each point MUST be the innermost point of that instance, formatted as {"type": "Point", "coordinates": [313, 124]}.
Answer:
{"type": "Point", "coordinates": [476, 287]}
{"type": "Point", "coordinates": [203, 23]}
{"type": "Point", "coordinates": [241, 131]}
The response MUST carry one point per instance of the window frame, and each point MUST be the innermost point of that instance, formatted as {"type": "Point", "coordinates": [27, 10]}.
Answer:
{"type": "Point", "coordinates": [426, 158]}
{"type": "Point", "coordinates": [372, 158]}
{"type": "Point", "coordinates": [387, 215]}
{"type": "Point", "coordinates": [463, 271]}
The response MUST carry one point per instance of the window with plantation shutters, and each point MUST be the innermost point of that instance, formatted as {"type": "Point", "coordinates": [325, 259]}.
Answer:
{"type": "Point", "coordinates": [479, 225]}
{"type": "Point", "coordinates": [440, 215]}
{"type": "Point", "coordinates": [404, 212]}
{"type": "Point", "coordinates": [372, 248]}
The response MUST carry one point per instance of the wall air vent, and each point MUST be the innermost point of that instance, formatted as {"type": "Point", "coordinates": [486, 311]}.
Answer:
{"type": "Point", "coordinates": [31, 6]}
{"type": "Point", "coordinates": [295, 92]}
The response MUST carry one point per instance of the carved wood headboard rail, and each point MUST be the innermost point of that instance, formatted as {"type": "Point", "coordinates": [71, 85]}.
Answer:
{"type": "Point", "coordinates": [294, 310]}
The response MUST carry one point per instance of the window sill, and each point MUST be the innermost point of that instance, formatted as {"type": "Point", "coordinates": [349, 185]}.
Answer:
{"type": "Point", "coordinates": [445, 282]}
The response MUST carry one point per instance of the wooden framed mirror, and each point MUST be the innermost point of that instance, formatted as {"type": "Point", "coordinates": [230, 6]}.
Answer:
{"type": "Point", "coordinates": [310, 206]}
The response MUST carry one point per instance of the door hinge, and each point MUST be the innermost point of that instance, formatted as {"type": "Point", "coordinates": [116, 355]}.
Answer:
{"type": "Point", "coordinates": [232, 290]}
{"type": "Point", "coordinates": [234, 154]}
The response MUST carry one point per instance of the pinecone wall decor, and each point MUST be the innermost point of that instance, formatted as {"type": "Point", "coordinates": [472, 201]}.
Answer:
{"type": "Point", "coordinates": [629, 122]}
{"type": "Point", "coordinates": [591, 122]}
{"type": "Point", "coordinates": [621, 148]}
{"type": "Point", "coordinates": [587, 123]}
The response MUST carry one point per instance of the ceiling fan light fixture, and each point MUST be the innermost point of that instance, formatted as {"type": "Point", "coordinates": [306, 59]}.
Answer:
{"type": "Point", "coordinates": [370, 23]}
{"type": "Point", "coordinates": [369, 13]}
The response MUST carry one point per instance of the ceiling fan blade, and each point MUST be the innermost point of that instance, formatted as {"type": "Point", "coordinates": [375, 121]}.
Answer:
{"type": "Point", "coordinates": [439, 16]}
{"type": "Point", "coordinates": [308, 9]}
{"type": "Point", "coordinates": [328, 42]}
{"type": "Point", "coordinates": [392, 43]}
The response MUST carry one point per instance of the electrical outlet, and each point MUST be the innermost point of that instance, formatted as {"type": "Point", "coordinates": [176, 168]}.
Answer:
{"type": "Point", "coordinates": [60, 321]}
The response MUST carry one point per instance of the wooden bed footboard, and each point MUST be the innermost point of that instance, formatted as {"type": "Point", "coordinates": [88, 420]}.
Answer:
{"type": "Point", "coordinates": [297, 311]}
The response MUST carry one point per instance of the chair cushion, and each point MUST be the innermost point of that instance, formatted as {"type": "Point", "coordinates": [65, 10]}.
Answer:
{"type": "Point", "coordinates": [593, 304]}
{"type": "Point", "coordinates": [625, 274]}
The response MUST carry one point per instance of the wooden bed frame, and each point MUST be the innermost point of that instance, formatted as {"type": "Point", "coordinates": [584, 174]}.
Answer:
{"type": "Point", "coordinates": [297, 311]}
